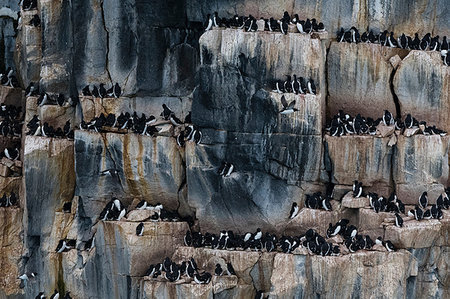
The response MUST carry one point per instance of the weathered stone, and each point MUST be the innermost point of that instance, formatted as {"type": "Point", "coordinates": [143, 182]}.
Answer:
{"type": "Point", "coordinates": [148, 168]}
{"type": "Point", "coordinates": [237, 57]}
{"type": "Point", "coordinates": [420, 164]}
{"type": "Point", "coordinates": [385, 131]}
{"type": "Point", "coordinates": [139, 215]}
{"type": "Point", "coordinates": [419, 69]}
{"type": "Point", "coordinates": [28, 52]}
{"type": "Point", "coordinates": [395, 61]}
{"type": "Point", "coordinates": [410, 132]}
{"type": "Point", "coordinates": [360, 270]}
{"type": "Point", "coordinates": [371, 223]}
{"type": "Point", "coordinates": [359, 79]}
{"type": "Point", "coordinates": [93, 107]}
{"type": "Point", "coordinates": [57, 116]}
{"type": "Point", "coordinates": [363, 158]}
{"type": "Point", "coordinates": [354, 202]}
{"type": "Point", "coordinates": [414, 234]}
{"type": "Point", "coordinates": [11, 246]}
{"type": "Point", "coordinates": [250, 267]}
{"type": "Point", "coordinates": [49, 180]}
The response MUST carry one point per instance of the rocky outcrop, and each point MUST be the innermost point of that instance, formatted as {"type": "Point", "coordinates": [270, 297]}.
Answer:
{"type": "Point", "coordinates": [422, 85]}
{"type": "Point", "coordinates": [148, 168]}
{"type": "Point", "coordinates": [359, 78]}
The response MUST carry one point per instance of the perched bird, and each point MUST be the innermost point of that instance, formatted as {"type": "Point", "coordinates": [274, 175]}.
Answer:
{"type": "Point", "coordinates": [294, 210]}
{"type": "Point", "coordinates": [140, 229]}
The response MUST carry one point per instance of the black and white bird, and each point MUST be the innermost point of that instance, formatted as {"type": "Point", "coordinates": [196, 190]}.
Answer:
{"type": "Point", "coordinates": [423, 200]}
{"type": "Point", "coordinates": [40, 296]}
{"type": "Point", "coordinates": [357, 189]}
{"type": "Point", "coordinates": [287, 108]}
{"type": "Point", "coordinates": [140, 229]}
{"type": "Point", "coordinates": [166, 112]}
{"type": "Point", "coordinates": [230, 269]}
{"type": "Point", "coordinates": [398, 220]}
{"type": "Point", "coordinates": [389, 246]}
{"type": "Point", "coordinates": [388, 118]}
{"type": "Point", "coordinates": [55, 295]}
{"type": "Point", "coordinates": [226, 169]}
{"type": "Point", "coordinates": [27, 276]}
{"type": "Point", "coordinates": [294, 210]}
{"type": "Point", "coordinates": [209, 23]}
{"type": "Point", "coordinates": [218, 271]}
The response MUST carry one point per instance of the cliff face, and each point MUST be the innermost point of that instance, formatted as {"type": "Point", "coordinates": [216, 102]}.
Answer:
{"type": "Point", "coordinates": [157, 51]}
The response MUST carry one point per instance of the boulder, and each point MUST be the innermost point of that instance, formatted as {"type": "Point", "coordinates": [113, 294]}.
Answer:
{"type": "Point", "coordinates": [359, 79]}
{"type": "Point", "coordinates": [418, 69]}
{"type": "Point", "coordinates": [57, 116]}
{"type": "Point", "coordinates": [420, 164]}
{"type": "Point", "coordinates": [354, 202]}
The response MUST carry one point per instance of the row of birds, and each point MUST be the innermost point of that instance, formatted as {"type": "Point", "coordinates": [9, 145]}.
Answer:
{"type": "Point", "coordinates": [114, 91]}
{"type": "Point", "coordinates": [386, 38]}
{"type": "Point", "coordinates": [8, 200]}
{"type": "Point", "coordinates": [344, 124]}
{"type": "Point", "coordinates": [10, 122]}
{"type": "Point", "coordinates": [313, 241]}
{"type": "Point", "coordinates": [172, 271]}
{"type": "Point", "coordinates": [55, 295]}
{"type": "Point", "coordinates": [250, 23]}
{"type": "Point", "coordinates": [294, 85]}
{"type": "Point", "coordinates": [35, 128]}
{"type": "Point", "coordinates": [49, 99]}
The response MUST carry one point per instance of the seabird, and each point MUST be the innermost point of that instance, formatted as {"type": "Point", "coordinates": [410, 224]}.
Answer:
{"type": "Point", "coordinates": [423, 200]}
{"type": "Point", "coordinates": [55, 295]}
{"type": "Point", "coordinates": [218, 271]}
{"type": "Point", "coordinates": [140, 229]}
{"type": "Point", "coordinates": [210, 22]}
{"type": "Point", "coordinates": [40, 296]}
{"type": "Point", "coordinates": [287, 108]}
{"type": "Point", "coordinates": [389, 246]}
{"type": "Point", "coordinates": [398, 220]}
{"type": "Point", "coordinates": [230, 269]}
{"type": "Point", "coordinates": [294, 211]}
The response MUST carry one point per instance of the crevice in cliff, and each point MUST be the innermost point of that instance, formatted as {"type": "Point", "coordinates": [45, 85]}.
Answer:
{"type": "Point", "coordinates": [107, 42]}
{"type": "Point", "coordinates": [394, 95]}
{"type": "Point", "coordinates": [112, 160]}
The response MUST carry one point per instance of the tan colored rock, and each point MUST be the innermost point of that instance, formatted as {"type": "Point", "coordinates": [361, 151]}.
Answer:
{"type": "Point", "coordinates": [363, 158]}
{"type": "Point", "coordinates": [11, 246]}
{"type": "Point", "coordinates": [419, 69]}
{"type": "Point", "coordinates": [10, 184]}
{"type": "Point", "coordinates": [139, 215]}
{"type": "Point", "coordinates": [371, 223]}
{"type": "Point", "coordinates": [261, 24]}
{"type": "Point", "coordinates": [392, 140]}
{"type": "Point", "coordinates": [410, 132]}
{"type": "Point", "coordinates": [56, 115]}
{"type": "Point", "coordinates": [385, 131]}
{"type": "Point", "coordinates": [93, 107]}
{"type": "Point", "coordinates": [420, 164]}
{"type": "Point", "coordinates": [4, 170]}
{"type": "Point", "coordinates": [32, 110]}
{"type": "Point", "coordinates": [243, 261]}
{"type": "Point", "coordinates": [221, 283]}
{"type": "Point", "coordinates": [414, 234]}
{"type": "Point", "coordinates": [361, 272]}
{"type": "Point", "coordinates": [142, 251]}
{"type": "Point", "coordinates": [358, 76]}
{"type": "Point", "coordinates": [354, 202]}
{"type": "Point", "coordinates": [395, 61]}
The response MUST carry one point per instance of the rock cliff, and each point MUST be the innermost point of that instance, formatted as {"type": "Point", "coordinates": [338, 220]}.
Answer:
{"type": "Point", "coordinates": [159, 54]}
